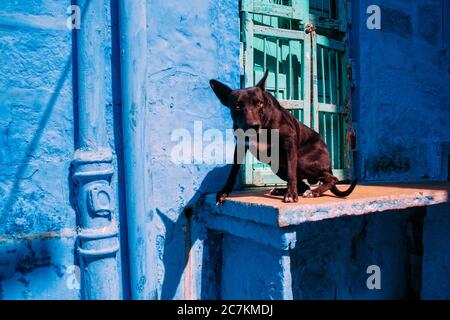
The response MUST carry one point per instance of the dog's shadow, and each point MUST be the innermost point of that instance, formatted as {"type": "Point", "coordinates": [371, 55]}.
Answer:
{"type": "Point", "coordinates": [178, 236]}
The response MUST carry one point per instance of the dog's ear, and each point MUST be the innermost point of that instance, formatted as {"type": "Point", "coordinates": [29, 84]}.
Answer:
{"type": "Point", "coordinates": [262, 83]}
{"type": "Point", "coordinates": [221, 90]}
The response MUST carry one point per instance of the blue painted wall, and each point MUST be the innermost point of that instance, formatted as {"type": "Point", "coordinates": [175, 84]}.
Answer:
{"type": "Point", "coordinates": [38, 128]}
{"type": "Point", "coordinates": [38, 124]}
{"type": "Point", "coordinates": [189, 43]}
{"type": "Point", "coordinates": [436, 258]}
{"type": "Point", "coordinates": [402, 78]}
{"type": "Point", "coordinates": [328, 261]}
{"type": "Point", "coordinates": [36, 146]}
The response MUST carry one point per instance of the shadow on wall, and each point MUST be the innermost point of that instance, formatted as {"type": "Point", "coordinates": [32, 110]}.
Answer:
{"type": "Point", "coordinates": [179, 237]}
{"type": "Point", "coordinates": [118, 142]}
{"type": "Point", "coordinates": [36, 253]}
{"type": "Point", "coordinates": [332, 257]}
{"type": "Point", "coordinates": [31, 148]}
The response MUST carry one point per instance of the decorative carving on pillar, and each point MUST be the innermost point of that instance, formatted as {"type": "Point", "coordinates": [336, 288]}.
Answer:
{"type": "Point", "coordinates": [97, 231]}
{"type": "Point", "coordinates": [98, 242]}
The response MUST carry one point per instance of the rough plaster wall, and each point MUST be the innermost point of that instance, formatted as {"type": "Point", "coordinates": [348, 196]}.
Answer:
{"type": "Point", "coordinates": [436, 259]}
{"type": "Point", "coordinates": [404, 104]}
{"type": "Point", "coordinates": [188, 43]}
{"type": "Point", "coordinates": [329, 261]}
{"type": "Point", "coordinates": [331, 257]}
{"type": "Point", "coordinates": [250, 270]}
{"type": "Point", "coordinates": [36, 147]}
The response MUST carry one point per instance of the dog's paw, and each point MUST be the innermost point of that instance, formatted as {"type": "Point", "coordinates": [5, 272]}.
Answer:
{"type": "Point", "coordinates": [290, 197]}
{"type": "Point", "coordinates": [220, 198]}
{"type": "Point", "coordinates": [308, 194]}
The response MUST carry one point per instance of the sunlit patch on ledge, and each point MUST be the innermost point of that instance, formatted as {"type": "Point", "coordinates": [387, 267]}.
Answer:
{"type": "Point", "coordinates": [260, 206]}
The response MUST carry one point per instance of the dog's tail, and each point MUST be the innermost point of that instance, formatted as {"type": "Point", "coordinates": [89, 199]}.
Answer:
{"type": "Point", "coordinates": [345, 193]}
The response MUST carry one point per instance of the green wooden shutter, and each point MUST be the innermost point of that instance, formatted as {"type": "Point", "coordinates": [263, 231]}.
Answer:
{"type": "Point", "coordinates": [273, 39]}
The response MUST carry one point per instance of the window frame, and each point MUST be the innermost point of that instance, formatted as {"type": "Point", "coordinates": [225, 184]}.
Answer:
{"type": "Point", "coordinates": [313, 110]}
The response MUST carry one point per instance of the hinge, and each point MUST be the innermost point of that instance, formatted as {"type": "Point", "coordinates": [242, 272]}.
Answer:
{"type": "Point", "coordinates": [310, 28]}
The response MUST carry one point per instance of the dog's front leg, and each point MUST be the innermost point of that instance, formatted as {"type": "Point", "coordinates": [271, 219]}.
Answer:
{"type": "Point", "coordinates": [226, 190]}
{"type": "Point", "coordinates": [291, 152]}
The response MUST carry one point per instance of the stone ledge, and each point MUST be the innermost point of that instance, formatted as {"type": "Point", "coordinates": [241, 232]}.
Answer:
{"type": "Point", "coordinates": [261, 207]}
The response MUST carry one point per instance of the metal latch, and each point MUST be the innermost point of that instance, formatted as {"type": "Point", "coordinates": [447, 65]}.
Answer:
{"type": "Point", "coordinates": [310, 28]}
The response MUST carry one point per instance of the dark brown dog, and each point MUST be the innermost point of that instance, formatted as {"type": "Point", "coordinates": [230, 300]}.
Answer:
{"type": "Point", "coordinates": [302, 152]}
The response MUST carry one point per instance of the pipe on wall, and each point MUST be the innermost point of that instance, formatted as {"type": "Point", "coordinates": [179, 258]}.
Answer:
{"type": "Point", "coordinates": [97, 243]}
{"type": "Point", "coordinates": [133, 45]}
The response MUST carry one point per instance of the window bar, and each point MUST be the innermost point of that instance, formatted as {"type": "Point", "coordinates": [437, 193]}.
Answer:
{"type": "Point", "coordinates": [323, 75]}
{"type": "Point", "coordinates": [281, 69]}
{"type": "Point", "coordinates": [247, 24]}
{"type": "Point", "coordinates": [266, 20]}
{"type": "Point", "coordinates": [333, 139]}
{"type": "Point", "coordinates": [291, 73]}
{"type": "Point", "coordinates": [318, 61]}
{"type": "Point", "coordinates": [338, 82]}
{"type": "Point", "coordinates": [265, 54]}
{"type": "Point", "coordinates": [330, 78]}
{"type": "Point", "coordinates": [277, 67]}
{"type": "Point", "coordinates": [339, 141]}
{"type": "Point", "coordinates": [329, 9]}
{"type": "Point", "coordinates": [325, 128]}
{"type": "Point", "coordinates": [301, 83]}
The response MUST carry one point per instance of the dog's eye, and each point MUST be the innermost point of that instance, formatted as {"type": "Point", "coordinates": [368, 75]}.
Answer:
{"type": "Point", "coordinates": [260, 105]}
{"type": "Point", "coordinates": [237, 107]}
